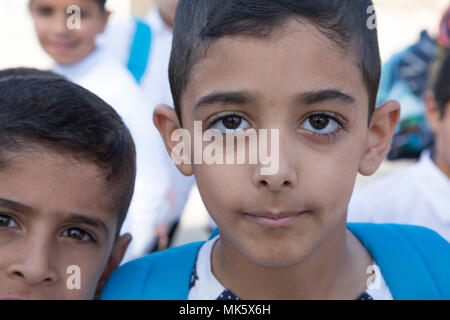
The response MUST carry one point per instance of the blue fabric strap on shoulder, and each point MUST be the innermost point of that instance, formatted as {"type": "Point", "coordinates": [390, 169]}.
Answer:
{"type": "Point", "coordinates": [164, 275]}
{"type": "Point", "coordinates": [414, 261]}
{"type": "Point", "coordinates": [140, 50]}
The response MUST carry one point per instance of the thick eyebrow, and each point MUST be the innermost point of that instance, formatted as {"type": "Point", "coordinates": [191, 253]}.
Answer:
{"type": "Point", "coordinates": [224, 98]}
{"type": "Point", "coordinates": [87, 220]}
{"type": "Point", "coordinates": [15, 206]}
{"type": "Point", "coordinates": [314, 97]}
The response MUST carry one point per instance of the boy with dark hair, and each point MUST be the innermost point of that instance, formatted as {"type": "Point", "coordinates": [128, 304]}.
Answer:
{"type": "Point", "coordinates": [67, 167]}
{"type": "Point", "coordinates": [417, 195]}
{"type": "Point", "coordinates": [308, 70]}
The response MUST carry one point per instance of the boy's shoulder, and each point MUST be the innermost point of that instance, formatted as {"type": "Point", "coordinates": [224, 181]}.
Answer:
{"type": "Point", "coordinates": [414, 262]}
{"type": "Point", "coordinates": [159, 276]}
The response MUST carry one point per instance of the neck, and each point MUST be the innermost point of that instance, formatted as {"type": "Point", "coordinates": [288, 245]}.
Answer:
{"type": "Point", "coordinates": [440, 162]}
{"type": "Point", "coordinates": [91, 52]}
{"type": "Point", "coordinates": [336, 269]}
{"type": "Point", "coordinates": [442, 165]}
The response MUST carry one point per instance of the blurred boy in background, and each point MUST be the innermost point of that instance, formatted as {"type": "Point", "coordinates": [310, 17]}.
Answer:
{"type": "Point", "coordinates": [79, 59]}
{"type": "Point", "coordinates": [143, 45]}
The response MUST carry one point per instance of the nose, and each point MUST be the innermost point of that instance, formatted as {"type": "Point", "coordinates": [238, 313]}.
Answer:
{"type": "Point", "coordinates": [286, 175]}
{"type": "Point", "coordinates": [34, 265]}
{"type": "Point", "coordinates": [59, 24]}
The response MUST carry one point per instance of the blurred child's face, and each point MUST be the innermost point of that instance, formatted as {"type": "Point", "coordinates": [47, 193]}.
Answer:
{"type": "Point", "coordinates": [57, 234]}
{"type": "Point", "coordinates": [298, 82]}
{"type": "Point", "coordinates": [66, 36]}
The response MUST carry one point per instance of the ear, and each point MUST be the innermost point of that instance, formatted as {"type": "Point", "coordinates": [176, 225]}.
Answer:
{"type": "Point", "coordinates": [167, 123]}
{"type": "Point", "coordinates": [118, 251]}
{"type": "Point", "coordinates": [432, 111]}
{"type": "Point", "coordinates": [381, 130]}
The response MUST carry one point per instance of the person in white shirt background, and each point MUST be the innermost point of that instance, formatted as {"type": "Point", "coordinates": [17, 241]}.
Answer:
{"type": "Point", "coordinates": [80, 60]}
{"type": "Point", "coordinates": [121, 39]}
{"type": "Point", "coordinates": [420, 194]}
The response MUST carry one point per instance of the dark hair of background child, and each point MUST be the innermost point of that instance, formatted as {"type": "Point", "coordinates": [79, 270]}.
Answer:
{"type": "Point", "coordinates": [41, 109]}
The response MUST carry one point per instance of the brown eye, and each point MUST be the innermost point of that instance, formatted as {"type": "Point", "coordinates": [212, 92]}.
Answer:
{"type": "Point", "coordinates": [7, 222]}
{"type": "Point", "coordinates": [319, 122]}
{"type": "Point", "coordinates": [230, 122]}
{"type": "Point", "coordinates": [45, 11]}
{"type": "Point", "coordinates": [322, 124]}
{"type": "Point", "coordinates": [77, 234]}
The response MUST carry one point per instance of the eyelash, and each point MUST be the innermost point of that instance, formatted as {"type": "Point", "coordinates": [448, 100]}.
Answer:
{"type": "Point", "coordinates": [91, 238]}
{"type": "Point", "coordinates": [217, 118]}
{"type": "Point", "coordinates": [331, 137]}
{"type": "Point", "coordinates": [335, 117]}
{"type": "Point", "coordinates": [11, 219]}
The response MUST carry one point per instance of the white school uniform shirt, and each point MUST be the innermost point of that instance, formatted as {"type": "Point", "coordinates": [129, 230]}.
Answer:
{"type": "Point", "coordinates": [417, 195]}
{"type": "Point", "coordinates": [205, 286]}
{"type": "Point", "coordinates": [117, 40]}
{"type": "Point", "coordinates": [109, 80]}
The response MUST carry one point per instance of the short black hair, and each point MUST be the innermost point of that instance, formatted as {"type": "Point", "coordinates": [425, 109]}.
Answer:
{"type": "Point", "coordinates": [102, 4]}
{"type": "Point", "coordinates": [441, 86]}
{"type": "Point", "coordinates": [198, 23]}
{"type": "Point", "coordinates": [42, 109]}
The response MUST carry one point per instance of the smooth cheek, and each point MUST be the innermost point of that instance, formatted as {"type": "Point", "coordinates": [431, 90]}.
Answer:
{"type": "Point", "coordinates": [330, 183]}
{"type": "Point", "coordinates": [85, 36]}
{"type": "Point", "coordinates": [220, 188]}
{"type": "Point", "coordinates": [43, 29]}
{"type": "Point", "coordinates": [91, 268]}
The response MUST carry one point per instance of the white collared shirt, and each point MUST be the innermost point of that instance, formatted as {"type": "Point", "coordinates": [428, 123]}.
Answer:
{"type": "Point", "coordinates": [417, 195]}
{"type": "Point", "coordinates": [205, 286]}
{"type": "Point", "coordinates": [109, 80]}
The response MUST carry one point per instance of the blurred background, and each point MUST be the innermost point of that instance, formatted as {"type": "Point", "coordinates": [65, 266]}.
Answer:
{"type": "Point", "coordinates": [400, 23]}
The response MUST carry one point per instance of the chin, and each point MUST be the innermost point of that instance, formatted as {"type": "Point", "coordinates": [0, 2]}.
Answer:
{"type": "Point", "coordinates": [276, 256]}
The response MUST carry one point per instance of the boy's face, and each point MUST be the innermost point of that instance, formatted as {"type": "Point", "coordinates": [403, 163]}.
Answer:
{"type": "Point", "coordinates": [57, 235]}
{"type": "Point", "coordinates": [68, 37]}
{"type": "Point", "coordinates": [298, 82]}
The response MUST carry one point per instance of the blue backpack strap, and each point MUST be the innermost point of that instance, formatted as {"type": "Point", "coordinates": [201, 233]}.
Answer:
{"type": "Point", "coordinates": [414, 261]}
{"type": "Point", "coordinates": [163, 275]}
{"type": "Point", "coordinates": [140, 50]}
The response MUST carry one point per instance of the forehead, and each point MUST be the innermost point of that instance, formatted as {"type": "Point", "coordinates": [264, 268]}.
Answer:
{"type": "Point", "coordinates": [54, 184]}
{"type": "Point", "coordinates": [64, 4]}
{"type": "Point", "coordinates": [293, 58]}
